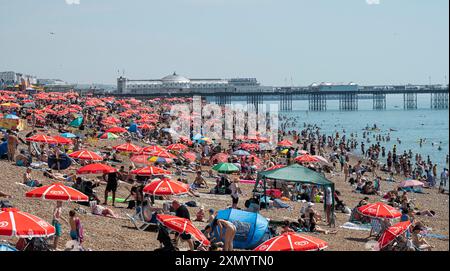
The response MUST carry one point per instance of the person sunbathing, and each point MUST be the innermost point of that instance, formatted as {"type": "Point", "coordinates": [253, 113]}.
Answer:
{"type": "Point", "coordinates": [101, 210]}
{"type": "Point", "coordinates": [418, 241]}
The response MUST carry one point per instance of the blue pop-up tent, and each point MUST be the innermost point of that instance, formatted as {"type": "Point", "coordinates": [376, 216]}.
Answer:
{"type": "Point", "coordinates": [251, 228]}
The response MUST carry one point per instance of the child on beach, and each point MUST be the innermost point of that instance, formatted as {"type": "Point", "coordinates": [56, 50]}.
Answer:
{"type": "Point", "coordinates": [76, 228]}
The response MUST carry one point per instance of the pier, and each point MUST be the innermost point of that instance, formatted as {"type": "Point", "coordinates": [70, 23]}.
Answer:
{"type": "Point", "coordinates": [317, 100]}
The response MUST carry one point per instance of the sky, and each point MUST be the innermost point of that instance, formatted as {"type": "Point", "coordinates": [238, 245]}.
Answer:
{"type": "Point", "coordinates": [280, 42]}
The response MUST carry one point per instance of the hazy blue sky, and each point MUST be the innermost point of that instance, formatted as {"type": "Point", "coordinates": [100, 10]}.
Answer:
{"type": "Point", "coordinates": [365, 41]}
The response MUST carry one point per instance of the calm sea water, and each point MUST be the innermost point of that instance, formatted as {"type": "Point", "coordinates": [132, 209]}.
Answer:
{"type": "Point", "coordinates": [411, 125]}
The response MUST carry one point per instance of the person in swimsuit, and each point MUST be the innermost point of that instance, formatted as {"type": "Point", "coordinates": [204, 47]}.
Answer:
{"type": "Point", "coordinates": [227, 231]}
{"type": "Point", "coordinates": [75, 227]}
{"type": "Point", "coordinates": [56, 223]}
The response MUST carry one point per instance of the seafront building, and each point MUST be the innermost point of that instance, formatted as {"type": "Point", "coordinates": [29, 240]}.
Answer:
{"type": "Point", "coordinates": [175, 83]}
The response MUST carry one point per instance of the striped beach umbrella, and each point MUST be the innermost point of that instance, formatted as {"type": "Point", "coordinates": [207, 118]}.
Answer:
{"type": "Point", "coordinates": [86, 155]}
{"type": "Point", "coordinates": [392, 232]}
{"type": "Point", "coordinates": [166, 187]}
{"type": "Point", "coordinates": [15, 223]}
{"type": "Point", "coordinates": [128, 147]}
{"type": "Point", "coordinates": [96, 169]}
{"type": "Point", "coordinates": [291, 241]}
{"type": "Point", "coordinates": [379, 210]}
{"type": "Point", "coordinates": [150, 171]}
{"type": "Point", "coordinates": [183, 225]}
{"type": "Point", "coordinates": [57, 191]}
{"type": "Point", "coordinates": [40, 138]}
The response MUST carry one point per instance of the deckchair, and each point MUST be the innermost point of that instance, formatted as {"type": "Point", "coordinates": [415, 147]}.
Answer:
{"type": "Point", "coordinates": [138, 219]}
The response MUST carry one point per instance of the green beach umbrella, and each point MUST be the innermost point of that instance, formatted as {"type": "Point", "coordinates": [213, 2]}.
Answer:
{"type": "Point", "coordinates": [225, 168]}
{"type": "Point", "coordinates": [76, 122]}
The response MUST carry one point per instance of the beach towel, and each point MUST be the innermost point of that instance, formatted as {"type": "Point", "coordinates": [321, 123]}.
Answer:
{"type": "Point", "coordinates": [357, 227]}
{"type": "Point", "coordinates": [435, 235]}
{"type": "Point", "coordinates": [277, 203]}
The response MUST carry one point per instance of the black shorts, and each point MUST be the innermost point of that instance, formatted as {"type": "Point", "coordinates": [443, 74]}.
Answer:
{"type": "Point", "coordinates": [235, 200]}
{"type": "Point", "coordinates": [111, 187]}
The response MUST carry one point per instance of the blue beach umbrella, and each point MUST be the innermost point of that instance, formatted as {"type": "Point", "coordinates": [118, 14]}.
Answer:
{"type": "Point", "coordinates": [11, 116]}
{"type": "Point", "coordinates": [241, 153]}
{"type": "Point", "coordinates": [68, 135]}
{"type": "Point", "coordinates": [197, 137]}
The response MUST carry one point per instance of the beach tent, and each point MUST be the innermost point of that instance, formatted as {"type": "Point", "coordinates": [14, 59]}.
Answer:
{"type": "Point", "coordinates": [296, 174]}
{"type": "Point", "coordinates": [252, 229]}
{"type": "Point", "coordinates": [3, 148]}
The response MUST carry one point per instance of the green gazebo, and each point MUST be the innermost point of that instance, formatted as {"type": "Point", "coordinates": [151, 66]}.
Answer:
{"type": "Point", "coordinates": [295, 174]}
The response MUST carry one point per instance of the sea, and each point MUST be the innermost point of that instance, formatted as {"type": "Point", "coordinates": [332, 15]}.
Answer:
{"type": "Point", "coordinates": [409, 126]}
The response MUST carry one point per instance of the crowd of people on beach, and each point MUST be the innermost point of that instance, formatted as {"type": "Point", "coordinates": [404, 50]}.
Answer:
{"type": "Point", "coordinates": [55, 114]}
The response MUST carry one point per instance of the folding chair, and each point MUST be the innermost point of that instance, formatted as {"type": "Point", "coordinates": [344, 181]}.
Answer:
{"type": "Point", "coordinates": [139, 220]}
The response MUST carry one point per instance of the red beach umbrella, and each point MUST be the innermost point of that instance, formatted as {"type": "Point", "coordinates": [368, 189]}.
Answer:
{"type": "Point", "coordinates": [15, 223]}
{"type": "Point", "coordinates": [291, 241]}
{"type": "Point", "coordinates": [177, 147]}
{"type": "Point", "coordinates": [166, 187]}
{"type": "Point", "coordinates": [220, 158]}
{"type": "Point", "coordinates": [86, 155]}
{"type": "Point", "coordinates": [191, 156]}
{"type": "Point", "coordinates": [57, 191]}
{"type": "Point", "coordinates": [183, 225]}
{"type": "Point", "coordinates": [392, 232]}
{"type": "Point", "coordinates": [285, 143]}
{"type": "Point", "coordinates": [116, 130]}
{"type": "Point", "coordinates": [163, 154]}
{"type": "Point", "coordinates": [141, 159]}
{"type": "Point", "coordinates": [306, 158]}
{"type": "Point", "coordinates": [275, 167]}
{"type": "Point", "coordinates": [128, 147]}
{"type": "Point", "coordinates": [150, 171]}
{"type": "Point", "coordinates": [249, 147]}
{"type": "Point", "coordinates": [379, 210]}
{"type": "Point", "coordinates": [62, 140]}
{"type": "Point", "coordinates": [42, 139]}
{"type": "Point", "coordinates": [151, 149]}
{"type": "Point", "coordinates": [96, 169]}
{"type": "Point", "coordinates": [146, 126]}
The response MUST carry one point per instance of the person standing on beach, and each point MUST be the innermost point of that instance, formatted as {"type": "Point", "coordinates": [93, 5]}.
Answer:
{"type": "Point", "coordinates": [235, 191]}
{"type": "Point", "coordinates": [444, 180]}
{"type": "Point", "coordinates": [76, 229]}
{"type": "Point", "coordinates": [56, 223]}
{"type": "Point", "coordinates": [13, 142]}
{"type": "Point", "coordinates": [111, 186]}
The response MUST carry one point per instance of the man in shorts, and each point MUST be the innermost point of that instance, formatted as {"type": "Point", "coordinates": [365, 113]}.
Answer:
{"type": "Point", "coordinates": [111, 186]}
{"type": "Point", "coordinates": [182, 211]}
{"type": "Point", "coordinates": [56, 222]}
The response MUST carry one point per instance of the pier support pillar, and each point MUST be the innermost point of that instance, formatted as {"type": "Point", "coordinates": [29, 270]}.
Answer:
{"type": "Point", "coordinates": [317, 102]}
{"type": "Point", "coordinates": [348, 101]}
{"type": "Point", "coordinates": [223, 99]}
{"type": "Point", "coordinates": [410, 101]}
{"type": "Point", "coordinates": [255, 99]}
{"type": "Point", "coordinates": [439, 100]}
{"type": "Point", "coordinates": [286, 102]}
{"type": "Point", "coordinates": [379, 101]}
